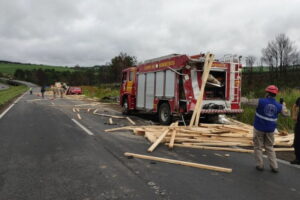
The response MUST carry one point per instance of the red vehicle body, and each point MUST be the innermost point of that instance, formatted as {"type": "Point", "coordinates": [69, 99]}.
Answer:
{"type": "Point", "coordinates": [74, 90]}
{"type": "Point", "coordinates": [170, 86]}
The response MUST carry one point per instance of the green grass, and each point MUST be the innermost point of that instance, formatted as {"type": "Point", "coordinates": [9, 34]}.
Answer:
{"type": "Point", "coordinates": [9, 68]}
{"type": "Point", "coordinates": [104, 90]}
{"type": "Point", "coordinates": [284, 123]}
{"type": "Point", "coordinates": [10, 93]}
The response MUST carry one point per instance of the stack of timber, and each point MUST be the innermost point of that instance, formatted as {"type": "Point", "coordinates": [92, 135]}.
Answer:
{"type": "Point", "coordinates": [206, 136]}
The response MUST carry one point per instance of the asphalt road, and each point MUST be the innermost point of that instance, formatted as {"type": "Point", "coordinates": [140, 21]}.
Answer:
{"type": "Point", "coordinates": [44, 154]}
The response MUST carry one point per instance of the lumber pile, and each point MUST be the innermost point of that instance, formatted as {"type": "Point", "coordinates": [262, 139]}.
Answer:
{"type": "Point", "coordinates": [205, 136]}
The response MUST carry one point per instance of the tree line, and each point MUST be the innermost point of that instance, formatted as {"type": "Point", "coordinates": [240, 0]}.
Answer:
{"type": "Point", "coordinates": [279, 62]}
{"type": "Point", "coordinates": [99, 74]}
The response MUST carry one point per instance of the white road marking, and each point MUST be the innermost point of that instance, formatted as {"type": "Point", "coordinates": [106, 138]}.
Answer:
{"type": "Point", "coordinates": [78, 115]}
{"type": "Point", "coordinates": [16, 101]}
{"type": "Point", "coordinates": [95, 111]}
{"type": "Point", "coordinates": [83, 127]}
{"type": "Point", "coordinates": [284, 162]}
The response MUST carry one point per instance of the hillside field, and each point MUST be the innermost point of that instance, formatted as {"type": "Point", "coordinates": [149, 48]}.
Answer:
{"type": "Point", "coordinates": [10, 68]}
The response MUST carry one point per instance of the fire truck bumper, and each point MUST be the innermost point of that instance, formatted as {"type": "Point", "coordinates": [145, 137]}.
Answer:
{"type": "Point", "coordinates": [213, 111]}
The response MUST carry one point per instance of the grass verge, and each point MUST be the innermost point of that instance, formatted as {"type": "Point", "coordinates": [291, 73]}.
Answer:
{"type": "Point", "coordinates": [104, 92]}
{"type": "Point", "coordinates": [284, 123]}
{"type": "Point", "coordinates": [10, 93]}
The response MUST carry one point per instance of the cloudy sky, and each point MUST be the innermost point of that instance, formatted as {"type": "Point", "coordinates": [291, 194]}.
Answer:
{"type": "Point", "coordinates": [90, 32]}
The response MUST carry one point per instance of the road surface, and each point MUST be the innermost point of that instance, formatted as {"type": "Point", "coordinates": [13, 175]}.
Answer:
{"type": "Point", "coordinates": [46, 154]}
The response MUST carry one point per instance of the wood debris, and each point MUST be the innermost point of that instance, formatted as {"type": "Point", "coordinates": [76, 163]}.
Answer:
{"type": "Point", "coordinates": [179, 162]}
{"type": "Point", "coordinates": [207, 136]}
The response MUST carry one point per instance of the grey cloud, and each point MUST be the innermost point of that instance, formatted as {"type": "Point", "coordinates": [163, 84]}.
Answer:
{"type": "Point", "coordinates": [90, 32]}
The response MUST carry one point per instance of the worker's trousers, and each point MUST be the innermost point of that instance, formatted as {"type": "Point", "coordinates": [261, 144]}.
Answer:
{"type": "Point", "coordinates": [264, 140]}
{"type": "Point", "coordinates": [297, 140]}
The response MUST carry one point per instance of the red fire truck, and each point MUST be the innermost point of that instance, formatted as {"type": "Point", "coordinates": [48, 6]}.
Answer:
{"type": "Point", "coordinates": [170, 85]}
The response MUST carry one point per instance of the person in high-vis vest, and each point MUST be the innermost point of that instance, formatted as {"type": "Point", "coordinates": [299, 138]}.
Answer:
{"type": "Point", "coordinates": [296, 117]}
{"type": "Point", "coordinates": [265, 123]}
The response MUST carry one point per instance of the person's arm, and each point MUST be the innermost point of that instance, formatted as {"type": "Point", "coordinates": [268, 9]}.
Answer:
{"type": "Point", "coordinates": [285, 112]}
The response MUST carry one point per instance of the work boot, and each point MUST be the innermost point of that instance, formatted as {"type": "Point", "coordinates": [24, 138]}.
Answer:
{"type": "Point", "coordinates": [258, 168]}
{"type": "Point", "coordinates": [274, 170]}
{"type": "Point", "coordinates": [295, 162]}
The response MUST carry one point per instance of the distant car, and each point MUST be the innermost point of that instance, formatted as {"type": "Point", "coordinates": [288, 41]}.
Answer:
{"type": "Point", "coordinates": [74, 90]}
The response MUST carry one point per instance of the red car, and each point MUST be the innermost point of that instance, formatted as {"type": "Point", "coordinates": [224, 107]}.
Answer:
{"type": "Point", "coordinates": [74, 90]}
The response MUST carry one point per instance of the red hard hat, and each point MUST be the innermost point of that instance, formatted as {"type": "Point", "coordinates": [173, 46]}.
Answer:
{"type": "Point", "coordinates": [272, 89]}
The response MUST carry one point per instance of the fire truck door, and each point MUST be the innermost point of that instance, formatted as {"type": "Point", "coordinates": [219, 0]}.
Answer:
{"type": "Point", "coordinates": [130, 80]}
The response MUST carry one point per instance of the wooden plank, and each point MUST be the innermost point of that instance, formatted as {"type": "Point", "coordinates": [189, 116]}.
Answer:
{"type": "Point", "coordinates": [173, 135]}
{"type": "Point", "coordinates": [131, 121]}
{"type": "Point", "coordinates": [221, 144]}
{"type": "Point", "coordinates": [179, 162]}
{"type": "Point", "coordinates": [119, 128]}
{"type": "Point", "coordinates": [206, 62]}
{"type": "Point", "coordinates": [113, 116]}
{"type": "Point", "coordinates": [74, 110]}
{"type": "Point", "coordinates": [158, 141]}
{"type": "Point", "coordinates": [203, 84]}
{"type": "Point", "coordinates": [215, 148]}
{"type": "Point", "coordinates": [284, 149]}
{"type": "Point", "coordinates": [110, 121]}
{"type": "Point", "coordinates": [172, 140]}
{"type": "Point", "coordinates": [78, 115]}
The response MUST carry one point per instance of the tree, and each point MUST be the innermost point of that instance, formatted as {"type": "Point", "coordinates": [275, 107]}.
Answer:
{"type": "Point", "coordinates": [120, 62]}
{"type": "Point", "coordinates": [280, 53]}
{"type": "Point", "coordinates": [19, 74]}
{"type": "Point", "coordinates": [250, 60]}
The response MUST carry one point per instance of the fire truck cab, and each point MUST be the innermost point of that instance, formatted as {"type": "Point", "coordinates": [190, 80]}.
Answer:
{"type": "Point", "coordinates": [170, 85]}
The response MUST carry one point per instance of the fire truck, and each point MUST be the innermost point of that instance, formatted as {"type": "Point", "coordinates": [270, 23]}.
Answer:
{"type": "Point", "coordinates": [170, 85]}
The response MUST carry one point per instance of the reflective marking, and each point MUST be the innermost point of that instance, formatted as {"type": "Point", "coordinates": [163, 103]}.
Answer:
{"type": "Point", "coordinates": [82, 127]}
{"type": "Point", "coordinates": [266, 118]}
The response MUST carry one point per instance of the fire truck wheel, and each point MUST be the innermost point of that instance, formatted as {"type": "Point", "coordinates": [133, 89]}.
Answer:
{"type": "Point", "coordinates": [164, 114]}
{"type": "Point", "coordinates": [125, 109]}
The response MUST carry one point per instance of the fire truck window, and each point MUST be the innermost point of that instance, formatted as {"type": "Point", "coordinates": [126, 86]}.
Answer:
{"type": "Point", "coordinates": [131, 76]}
{"type": "Point", "coordinates": [124, 77]}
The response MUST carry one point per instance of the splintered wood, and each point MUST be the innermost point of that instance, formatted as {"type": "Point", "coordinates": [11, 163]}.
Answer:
{"type": "Point", "coordinates": [206, 136]}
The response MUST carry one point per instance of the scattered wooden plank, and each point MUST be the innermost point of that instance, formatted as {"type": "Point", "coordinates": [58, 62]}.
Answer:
{"type": "Point", "coordinates": [156, 143]}
{"type": "Point", "coordinates": [284, 149]}
{"type": "Point", "coordinates": [113, 116]}
{"type": "Point", "coordinates": [110, 121]}
{"type": "Point", "coordinates": [119, 128]}
{"type": "Point", "coordinates": [215, 148]}
{"type": "Point", "coordinates": [131, 121]}
{"type": "Point", "coordinates": [78, 115]}
{"type": "Point", "coordinates": [179, 162]}
{"type": "Point", "coordinates": [74, 110]}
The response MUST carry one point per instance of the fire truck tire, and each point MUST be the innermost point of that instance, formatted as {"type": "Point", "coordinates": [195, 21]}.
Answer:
{"type": "Point", "coordinates": [125, 109]}
{"type": "Point", "coordinates": [164, 114]}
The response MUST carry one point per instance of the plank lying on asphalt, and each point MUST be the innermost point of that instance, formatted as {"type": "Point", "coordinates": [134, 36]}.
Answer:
{"type": "Point", "coordinates": [119, 128]}
{"type": "Point", "coordinates": [215, 148]}
{"type": "Point", "coordinates": [130, 120]}
{"type": "Point", "coordinates": [113, 116]}
{"type": "Point", "coordinates": [179, 162]}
